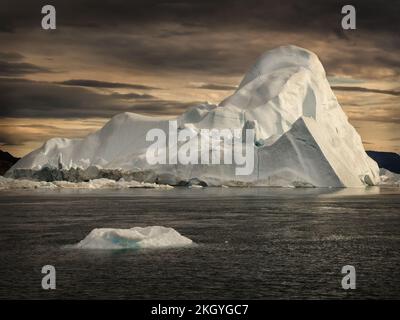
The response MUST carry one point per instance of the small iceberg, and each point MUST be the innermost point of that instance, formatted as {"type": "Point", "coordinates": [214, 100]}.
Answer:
{"type": "Point", "coordinates": [134, 238]}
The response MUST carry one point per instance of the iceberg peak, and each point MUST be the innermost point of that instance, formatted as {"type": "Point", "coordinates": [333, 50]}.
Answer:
{"type": "Point", "coordinates": [288, 56]}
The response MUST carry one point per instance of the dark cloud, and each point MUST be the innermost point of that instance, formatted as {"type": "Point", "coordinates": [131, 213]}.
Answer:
{"type": "Point", "coordinates": [320, 16]}
{"type": "Point", "coordinates": [389, 61]}
{"type": "Point", "coordinates": [195, 55]}
{"type": "Point", "coordinates": [11, 65]}
{"type": "Point", "coordinates": [128, 96]}
{"type": "Point", "coordinates": [104, 84]}
{"type": "Point", "coordinates": [359, 61]}
{"type": "Point", "coordinates": [24, 98]}
{"type": "Point", "coordinates": [11, 56]}
{"type": "Point", "coordinates": [12, 69]}
{"type": "Point", "coordinates": [371, 90]}
{"type": "Point", "coordinates": [213, 86]}
{"type": "Point", "coordinates": [34, 99]}
{"type": "Point", "coordinates": [204, 36]}
{"type": "Point", "coordinates": [162, 107]}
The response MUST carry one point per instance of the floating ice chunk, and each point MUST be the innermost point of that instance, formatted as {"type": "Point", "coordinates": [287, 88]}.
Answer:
{"type": "Point", "coordinates": [134, 238]}
{"type": "Point", "coordinates": [389, 178]}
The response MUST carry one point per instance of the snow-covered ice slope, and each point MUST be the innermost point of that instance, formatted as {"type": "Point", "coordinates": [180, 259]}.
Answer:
{"type": "Point", "coordinates": [303, 137]}
{"type": "Point", "coordinates": [134, 238]}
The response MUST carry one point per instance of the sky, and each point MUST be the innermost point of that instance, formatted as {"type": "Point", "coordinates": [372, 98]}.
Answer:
{"type": "Point", "coordinates": [160, 57]}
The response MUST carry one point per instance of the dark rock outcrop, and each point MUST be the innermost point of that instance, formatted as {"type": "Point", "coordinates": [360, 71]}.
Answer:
{"type": "Point", "coordinates": [6, 161]}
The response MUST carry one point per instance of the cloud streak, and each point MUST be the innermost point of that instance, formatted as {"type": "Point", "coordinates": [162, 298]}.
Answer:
{"type": "Point", "coordinates": [213, 86]}
{"type": "Point", "coordinates": [224, 14]}
{"type": "Point", "coordinates": [24, 98]}
{"type": "Point", "coordinates": [13, 69]}
{"type": "Point", "coordinates": [104, 84]}
{"type": "Point", "coordinates": [366, 90]}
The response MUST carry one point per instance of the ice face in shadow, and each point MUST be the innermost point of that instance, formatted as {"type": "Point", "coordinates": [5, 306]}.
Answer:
{"type": "Point", "coordinates": [134, 238]}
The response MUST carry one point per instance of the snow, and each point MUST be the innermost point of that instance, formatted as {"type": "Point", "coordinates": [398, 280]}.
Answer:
{"type": "Point", "coordinates": [15, 184]}
{"type": "Point", "coordinates": [303, 137]}
{"type": "Point", "coordinates": [134, 238]}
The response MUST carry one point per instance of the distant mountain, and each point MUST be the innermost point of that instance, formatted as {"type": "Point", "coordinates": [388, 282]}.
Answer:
{"type": "Point", "coordinates": [6, 161]}
{"type": "Point", "coordinates": [386, 160]}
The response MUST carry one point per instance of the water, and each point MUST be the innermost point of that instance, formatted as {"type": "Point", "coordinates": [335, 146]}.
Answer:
{"type": "Point", "coordinates": [259, 243]}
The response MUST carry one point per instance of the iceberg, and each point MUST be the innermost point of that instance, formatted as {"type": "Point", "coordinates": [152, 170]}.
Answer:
{"type": "Point", "coordinates": [302, 136]}
{"type": "Point", "coordinates": [134, 238]}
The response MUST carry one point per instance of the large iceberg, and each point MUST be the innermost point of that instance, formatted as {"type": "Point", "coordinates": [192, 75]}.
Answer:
{"type": "Point", "coordinates": [302, 136]}
{"type": "Point", "coordinates": [134, 238]}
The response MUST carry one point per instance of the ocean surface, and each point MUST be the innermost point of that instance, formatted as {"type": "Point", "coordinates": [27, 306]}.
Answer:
{"type": "Point", "coordinates": [252, 243]}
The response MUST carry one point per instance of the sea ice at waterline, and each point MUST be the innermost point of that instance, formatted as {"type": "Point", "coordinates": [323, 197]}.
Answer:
{"type": "Point", "coordinates": [134, 238]}
{"type": "Point", "coordinates": [16, 184]}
